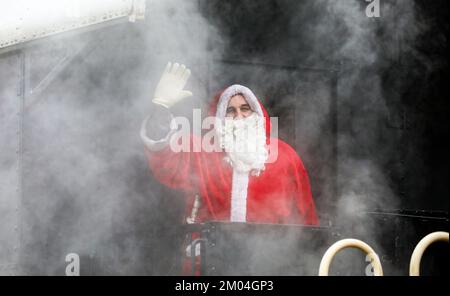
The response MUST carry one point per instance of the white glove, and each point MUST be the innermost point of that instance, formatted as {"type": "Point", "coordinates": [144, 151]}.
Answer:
{"type": "Point", "coordinates": [169, 90]}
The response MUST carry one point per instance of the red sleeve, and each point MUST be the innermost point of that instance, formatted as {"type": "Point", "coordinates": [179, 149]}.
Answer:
{"type": "Point", "coordinates": [303, 198]}
{"type": "Point", "coordinates": [173, 169]}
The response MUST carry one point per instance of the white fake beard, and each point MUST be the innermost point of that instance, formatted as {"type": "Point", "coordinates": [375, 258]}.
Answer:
{"type": "Point", "coordinates": [244, 141]}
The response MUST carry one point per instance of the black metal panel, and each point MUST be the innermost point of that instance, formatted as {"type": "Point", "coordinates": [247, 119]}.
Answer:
{"type": "Point", "coordinates": [399, 232]}
{"type": "Point", "coordinates": [273, 249]}
{"type": "Point", "coordinates": [264, 249]}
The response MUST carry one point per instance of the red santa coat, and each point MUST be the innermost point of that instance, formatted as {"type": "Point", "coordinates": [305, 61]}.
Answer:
{"type": "Point", "coordinates": [280, 194]}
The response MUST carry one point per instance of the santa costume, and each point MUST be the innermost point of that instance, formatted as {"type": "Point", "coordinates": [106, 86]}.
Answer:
{"type": "Point", "coordinates": [281, 192]}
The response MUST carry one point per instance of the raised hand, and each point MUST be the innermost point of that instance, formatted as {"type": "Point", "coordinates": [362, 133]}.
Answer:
{"type": "Point", "coordinates": [170, 89]}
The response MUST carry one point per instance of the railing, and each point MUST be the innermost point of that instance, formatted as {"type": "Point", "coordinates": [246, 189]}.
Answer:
{"type": "Point", "coordinates": [349, 243]}
{"type": "Point", "coordinates": [414, 265]}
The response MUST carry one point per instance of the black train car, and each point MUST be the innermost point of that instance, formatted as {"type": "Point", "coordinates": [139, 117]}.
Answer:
{"type": "Point", "coordinates": [295, 250]}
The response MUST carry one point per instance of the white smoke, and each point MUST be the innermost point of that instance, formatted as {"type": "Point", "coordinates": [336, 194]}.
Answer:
{"type": "Point", "coordinates": [86, 187]}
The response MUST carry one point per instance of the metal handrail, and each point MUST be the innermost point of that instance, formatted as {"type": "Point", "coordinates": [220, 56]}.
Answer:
{"type": "Point", "coordinates": [349, 243]}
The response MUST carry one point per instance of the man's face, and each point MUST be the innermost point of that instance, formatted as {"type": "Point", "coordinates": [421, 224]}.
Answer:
{"type": "Point", "coordinates": [238, 108]}
{"type": "Point", "coordinates": [243, 136]}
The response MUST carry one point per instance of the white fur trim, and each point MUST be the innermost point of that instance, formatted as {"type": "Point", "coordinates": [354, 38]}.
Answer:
{"type": "Point", "coordinates": [239, 197]}
{"type": "Point", "coordinates": [232, 91]}
{"type": "Point", "coordinates": [240, 179]}
{"type": "Point", "coordinates": [156, 145]}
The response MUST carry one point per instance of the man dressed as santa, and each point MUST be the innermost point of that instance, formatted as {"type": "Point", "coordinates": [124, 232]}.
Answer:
{"type": "Point", "coordinates": [235, 183]}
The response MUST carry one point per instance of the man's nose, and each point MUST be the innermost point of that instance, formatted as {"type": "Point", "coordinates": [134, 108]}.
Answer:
{"type": "Point", "coordinates": [239, 115]}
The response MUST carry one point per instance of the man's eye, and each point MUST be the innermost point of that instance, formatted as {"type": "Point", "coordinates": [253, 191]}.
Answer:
{"type": "Point", "coordinates": [230, 110]}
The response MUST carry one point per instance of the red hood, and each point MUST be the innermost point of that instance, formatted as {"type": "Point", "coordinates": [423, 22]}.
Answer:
{"type": "Point", "coordinates": [225, 95]}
